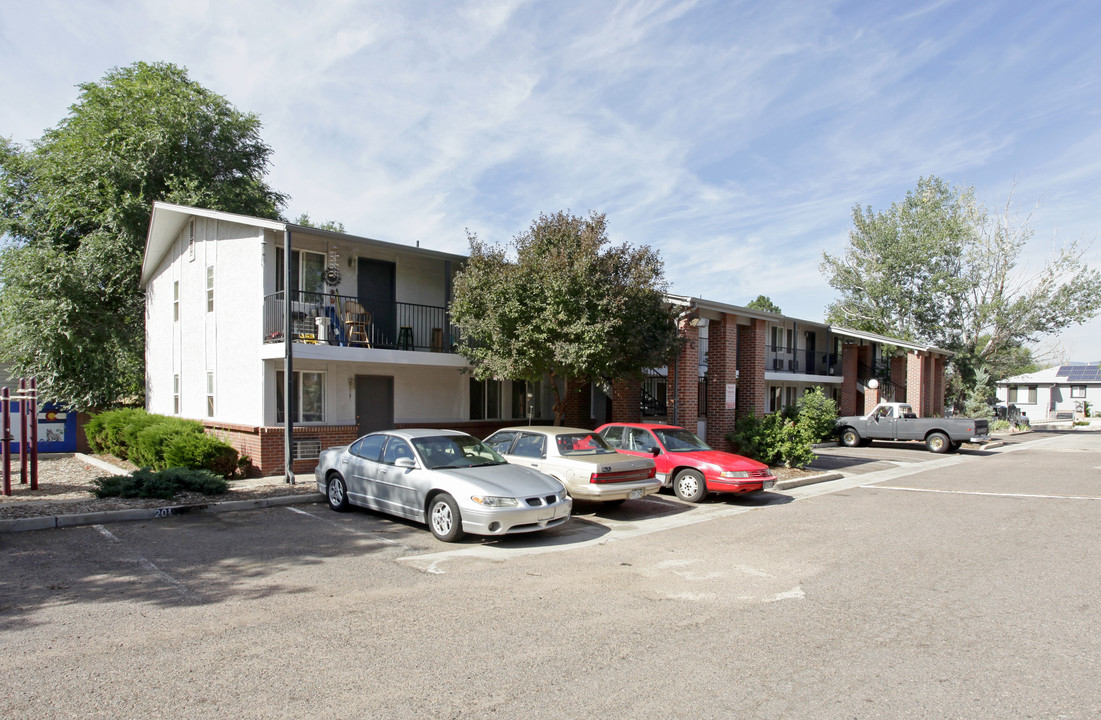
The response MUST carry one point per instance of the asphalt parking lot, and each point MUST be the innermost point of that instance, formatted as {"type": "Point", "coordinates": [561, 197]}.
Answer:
{"type": "Point", "coordinates": [918, 586]}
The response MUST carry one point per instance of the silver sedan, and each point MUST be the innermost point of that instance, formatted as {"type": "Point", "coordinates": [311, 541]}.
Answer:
{"type": "Point", "coordinates": [450, 480]}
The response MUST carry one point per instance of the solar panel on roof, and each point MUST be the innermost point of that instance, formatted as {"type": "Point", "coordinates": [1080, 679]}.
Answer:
{"type": "Point", "coordinates": [1064, 370]}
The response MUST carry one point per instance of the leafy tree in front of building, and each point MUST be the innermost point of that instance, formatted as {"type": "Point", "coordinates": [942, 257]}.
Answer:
{"type": "Point", "coordinates": [561, 301]}
{"type": "Point", "coordinates": [940, 268]}
{"type": "Point", "coordinates": [75, 205]}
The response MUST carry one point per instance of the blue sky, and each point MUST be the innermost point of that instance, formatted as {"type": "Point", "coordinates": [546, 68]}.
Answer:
{"type": "Point", "coordinates": [733, 137]}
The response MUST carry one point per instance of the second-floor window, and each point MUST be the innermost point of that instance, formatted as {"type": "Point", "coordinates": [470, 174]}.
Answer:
{"type": "Point", "coordinates": [307, 271]}
{"type": "Point", "coordinates": [175, 301]}
{"type": "Point", "coordinates": [210, 288]}
{"type": "Point", "coordinates": [1077, 391]}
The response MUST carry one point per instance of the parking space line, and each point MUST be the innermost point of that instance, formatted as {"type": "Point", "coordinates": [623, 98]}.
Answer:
{"type": "Point", "coordinates": [151, 568]}
{"type": "Point", "coordinates": [346, 528]}
{"type": "Point", "coordinates": [977, 492]}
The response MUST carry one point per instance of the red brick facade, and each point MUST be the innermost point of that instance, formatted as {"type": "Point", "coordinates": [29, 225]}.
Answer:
{"type": "Point", "coordinates": [684, 380]}
{"type": "Point", "coordinates": [578, 404]}
{"type": "Point", "coordinates": [751, 369]}
{"type": "Point", "coordinates": [722, 370]}
{"type": "Point", "coordinates": [627, 402]}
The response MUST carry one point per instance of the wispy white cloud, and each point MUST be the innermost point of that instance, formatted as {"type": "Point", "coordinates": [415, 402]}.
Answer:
{"type": "Point", "coordinates": [733, 136]}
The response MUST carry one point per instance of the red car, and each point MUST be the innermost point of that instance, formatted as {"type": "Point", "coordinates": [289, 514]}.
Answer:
{"type": "Point", "coordinates": [686, 462]}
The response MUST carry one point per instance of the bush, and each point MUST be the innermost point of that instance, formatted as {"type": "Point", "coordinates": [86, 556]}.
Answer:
{"type": "Point", "coordinates": [774, 440]}
{"type": "Point", "coordinates": [149, 447]}
{"type": "Point", "coordinates": [105, 432]}
{"type": "Point", "coordinates": [1000, 425]}
{"type": "Point", "coordinates": [164, 485]}
{"type": "Point", "coordinates": [191, 450]}
{"type": "Point", "coordinates": [818, 414]}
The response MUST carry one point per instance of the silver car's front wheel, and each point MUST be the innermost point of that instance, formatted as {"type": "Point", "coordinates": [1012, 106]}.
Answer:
{"type": "Point", "coordinates": [444, 519]}
{"type": "Point", "coordinates": [337, 494]}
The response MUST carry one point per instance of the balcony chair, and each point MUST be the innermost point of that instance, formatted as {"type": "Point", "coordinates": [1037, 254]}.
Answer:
{"type": "Point", "coordinates": [356, 321]}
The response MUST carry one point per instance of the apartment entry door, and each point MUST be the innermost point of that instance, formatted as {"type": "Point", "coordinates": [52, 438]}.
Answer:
{"type": "Point", "coordinates": [374, 403]}
{"type": "Point", "coordinates": [376, 289]}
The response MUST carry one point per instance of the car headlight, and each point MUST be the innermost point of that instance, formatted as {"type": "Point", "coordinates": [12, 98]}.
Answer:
{"type": "Point", "coordinates": [493, 501]}
{"type": "Point", "coordinates": [733, 474]}
{"type": "Point", "coordinates": [563, 496]}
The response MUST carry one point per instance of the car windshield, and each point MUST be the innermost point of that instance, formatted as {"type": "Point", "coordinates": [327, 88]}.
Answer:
{"type": "Point", "coordinates": [455, 451]}
{"type": "Point", "coordinates": [680, 440]}
{"type": "Point", "coordinates": [582, 444]}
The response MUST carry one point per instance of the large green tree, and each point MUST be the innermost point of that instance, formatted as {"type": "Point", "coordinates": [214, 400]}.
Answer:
{"type": "Point", "coordinates": [562, 301]}
{"type": "Point", "coordinates": [75, 207]}
{"type": "Point", "coordinates": [764, 303]}
{"type": "Point", "coordinates": [938, 267]}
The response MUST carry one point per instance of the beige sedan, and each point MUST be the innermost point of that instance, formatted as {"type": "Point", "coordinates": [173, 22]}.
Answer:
{"type": "Point", "coordinates": [580, 460]}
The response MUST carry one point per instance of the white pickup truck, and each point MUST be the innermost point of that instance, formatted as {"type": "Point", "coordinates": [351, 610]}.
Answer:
{"type": "Point", "coordinates": [897, 421]}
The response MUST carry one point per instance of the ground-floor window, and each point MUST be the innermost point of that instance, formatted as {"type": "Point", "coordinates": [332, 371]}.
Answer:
{"type": "Point", "coordinates": [527, 399]}
{"type": "Point", "coordinates": [307, 396]}
{"type": "Point", "coordinates": [1022, 394]}
{"type": "Point", "coordinates": [210, 394]}
{"type": "Point", "coordinates": [485, 399]}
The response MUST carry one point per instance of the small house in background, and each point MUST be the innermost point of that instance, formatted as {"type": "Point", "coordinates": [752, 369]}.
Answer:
{"type": "Point", "coordinates": [1062, 392]}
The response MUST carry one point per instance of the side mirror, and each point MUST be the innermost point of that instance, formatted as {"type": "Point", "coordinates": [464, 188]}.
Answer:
{"type": "Point", "coordinates": [655, 451]}
{"type": "Point", "coordinates": [406, 463]}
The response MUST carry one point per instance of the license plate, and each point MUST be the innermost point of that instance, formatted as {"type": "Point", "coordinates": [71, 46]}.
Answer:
{"type": "Point", "coordinates": [767, 484]}
{"type": "Point", "coordinates": [635, 494]}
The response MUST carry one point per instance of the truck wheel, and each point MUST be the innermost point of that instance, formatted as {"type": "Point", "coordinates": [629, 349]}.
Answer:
{"type": "Point", "coordinates": [850, 437]}
{"type": "Point", "coordinates": [938, 442]}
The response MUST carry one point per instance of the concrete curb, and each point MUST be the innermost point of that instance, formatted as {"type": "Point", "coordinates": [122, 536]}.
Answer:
{"type": "Point", "coordinates": [800, 482]}
{"type": "Point", "coordinates": [107, 516]}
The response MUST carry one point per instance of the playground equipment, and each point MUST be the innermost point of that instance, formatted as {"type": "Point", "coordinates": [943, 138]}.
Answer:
{"type": "Point", "coordinates": [28, 441]}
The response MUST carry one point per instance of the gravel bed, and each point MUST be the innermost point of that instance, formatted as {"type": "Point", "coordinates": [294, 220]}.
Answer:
{"type": "Point", "coordinates": [65, 487]}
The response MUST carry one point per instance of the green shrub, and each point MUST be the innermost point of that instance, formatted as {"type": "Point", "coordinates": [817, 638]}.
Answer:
{"type": "Point", "coordinates": [1000, 425]}
{"type": "Point", "coordinates": [818, 414]}
{"type": "Point", "coordinates": [149, 446]}
{"type": "Point", "coordinates": [192, 450]}
{"type": "Point", "coordinates": [164, 484]}
{"type": "Point", "coordinates": [105, 432]}
{"type": "Point", "coordinates": [774, 440]}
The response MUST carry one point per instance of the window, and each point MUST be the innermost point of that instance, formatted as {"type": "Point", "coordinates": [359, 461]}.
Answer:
{"type": "Point", "coordinates": [176, 301]}
{"type": "Point", "coordinates": [523, 404]}
{"type": "Point", "coordinates": [307, 271]}
{"type": "Point", "coordinates": [307, 395]}
{"type": "Point", "coordinates": [501, 442]}
{"type": "Point", "coordinates": [396, 449]}
{"type": "Point", "coordinates": [176, 394]}
{"type": "Point", "coordinates": [613, 435]}
{"type": "Point", "coordinates": [530, 445]}
{"type": "Point", "coordinates": [191, 241]}
{"type": "Point", "coordinates": [210, 288]}
{"type": "Point", "coordinates": [485, 399]}
{"type": "Point", "coordinates": [1022, 394]}
{"type": "Point", "coordinates": [210, 394]}
{"type": "Point", "coordinates": [369, 447]}
{"type": "Point", "coordinates": [1078, 391]}
{"type": "Point", "coordinates": [775, 394]}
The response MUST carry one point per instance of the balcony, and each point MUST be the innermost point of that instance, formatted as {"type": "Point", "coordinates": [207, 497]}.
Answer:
{"type": "Point", "coordinates": [801, 361]}
{"type": "Point", "coordinates": [348, 321]}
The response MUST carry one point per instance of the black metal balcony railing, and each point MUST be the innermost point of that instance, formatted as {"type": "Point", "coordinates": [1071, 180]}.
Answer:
{"type": "Point", "coordinates": [888, 391]}
{"type": "Point", "coordinates": [348, 321]}
{"type": "Point", "coordinates": [780, 358]}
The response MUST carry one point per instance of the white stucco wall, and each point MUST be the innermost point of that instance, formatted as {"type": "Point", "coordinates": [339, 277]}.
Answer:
{"type": "Point", "coordinates": [224, 341]}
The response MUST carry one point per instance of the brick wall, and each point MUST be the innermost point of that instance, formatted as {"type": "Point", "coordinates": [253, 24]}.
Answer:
{"type": "Point", "coordinates": [916, 376]}
{"type": "Point", "coordinates": [722, 366]}
{"type": "Point", "coordinates": [578, 404]}
{"type": "Point", "coordinates": [684, 380]}
{"type": "Point", "coordinates": [751, 369]}
{"type": "Point", "coordinates": [265, 444]}
{"type": "Point", "coordinates": [938, 386]}
{"type": "Point", "coordinates": [626, 402]}
{"type": "Point", "coordinates": [850, 360]}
